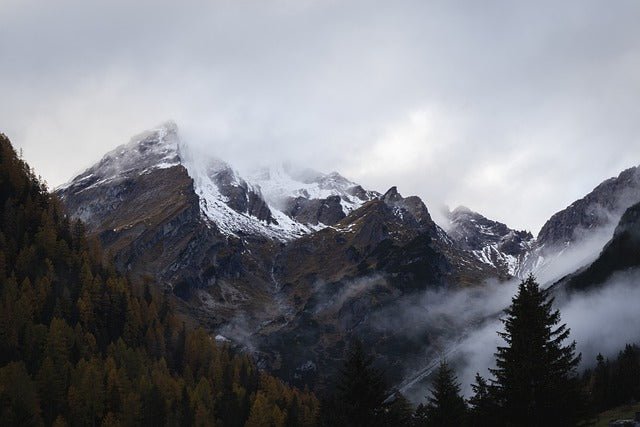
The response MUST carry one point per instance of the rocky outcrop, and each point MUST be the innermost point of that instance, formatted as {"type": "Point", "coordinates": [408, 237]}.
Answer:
{"type": "Point", "coordinates": [600, 208]}
{"type": "Point", "coordinates": [240, 196]}
{"type": "Point", "coordinates": [315, 211]}
{"type": "Point", "coordinates": [490, 241]}
{"type": "Point", "coordinates": [622, 252]}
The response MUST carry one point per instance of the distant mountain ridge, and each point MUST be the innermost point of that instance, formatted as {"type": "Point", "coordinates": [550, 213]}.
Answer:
{"type": "Point", "coordinates": [292, 255]}
{"type": "Point", "coordinates": [621, 253]}
{"type": "Point", "coordinates": [577, 232]}
{"type": "Point", "coordinates": [490, 241]}
{"type": "Point", "coordinates": [250, 257]}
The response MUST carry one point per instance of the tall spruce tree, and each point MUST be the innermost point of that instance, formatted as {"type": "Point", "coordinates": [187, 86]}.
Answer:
{"type": "Point", "coordinates": [601, 384]}
{"type": "Point", "coordinates": [445, 406]}
{"type": "Point", "coordinates": [483, 408]}
{"type": "Point", "coordinates": [360, 394]}
{"type": "Point", "coordinates": [535, 376]}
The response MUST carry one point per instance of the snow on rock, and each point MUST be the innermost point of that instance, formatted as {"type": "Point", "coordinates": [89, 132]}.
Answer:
{"type": "Point", "coordinates": [154, 149]}
{"type": "Point", "coordinates": [284, 182]}
{"type": "Point", "coordinates": [491, 242]}
{"type": "Point", "coordinates": [233, 205]}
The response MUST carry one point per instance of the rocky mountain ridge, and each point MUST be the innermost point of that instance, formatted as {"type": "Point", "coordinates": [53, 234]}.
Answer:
{"type": "Point", "coordinates": [490, 241]}
{"type": "Point", "coordinates": [284, 255]}
{"type": "Point", "coordinates": [576, 233]}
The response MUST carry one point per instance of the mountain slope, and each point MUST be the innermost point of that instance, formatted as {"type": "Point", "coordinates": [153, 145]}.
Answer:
{"type": "Point", "coordinates": [602, 207]}
{"type": "Point", "coordinates": [573, 237]}
{"type": "Point", "coordinates": [256, 260]}
{"type": "Point", "coordinates": [81, 344]}
{"type": "Point", "coordinates": [622, 252]}
{"type": "Point", "coordinates": [490, 241]}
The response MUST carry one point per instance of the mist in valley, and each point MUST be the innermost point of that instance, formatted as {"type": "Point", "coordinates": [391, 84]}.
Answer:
{"type": "Point", "coordinates": [462, 325]}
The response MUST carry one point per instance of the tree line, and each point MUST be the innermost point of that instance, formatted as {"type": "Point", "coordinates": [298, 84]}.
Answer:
{"type": "Point", "coordinates": [535, 381]}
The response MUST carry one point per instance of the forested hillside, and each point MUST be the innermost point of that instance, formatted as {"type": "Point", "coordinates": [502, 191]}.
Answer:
{"type": "Point", "coordinates": [82, 345]}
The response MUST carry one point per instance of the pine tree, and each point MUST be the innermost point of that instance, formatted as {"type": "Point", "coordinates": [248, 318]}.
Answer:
{"type": "Point", "coordinates": [626, 379]}
{"type": "Point", "coordinates": [359, 399]}
{"type": "Point", "coordinates": [482, 405]}
{"type": "Point", "coordinates": [535, 375]}
{"type": "Point", "coordinates": [445, 406]}
{"type": "Point", "coordinates": [601, 384]}
{"type": "Point", "coordinates": [18, 397]}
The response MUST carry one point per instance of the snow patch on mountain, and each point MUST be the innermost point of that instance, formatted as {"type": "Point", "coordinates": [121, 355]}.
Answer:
{"type": "Point", "coordinates": [283, 182]}
{"type": "Point", "coordinates": [206, 173]}
{"type": "Point", "coordinates": [491, 242]}
{"type": "Point", "coordinates": [154, 149]}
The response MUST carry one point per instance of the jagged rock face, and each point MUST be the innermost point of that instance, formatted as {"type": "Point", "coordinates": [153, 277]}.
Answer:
{"type": "Point", "coordinates": [413, 205]}
{"type": "Point", "coordinates": [576, 233]}
{"type": "Point", "coordinates": [490, 241]}
{"type": "Point", "coordinates": [311, 197]}
{"type": "Point", "coordinates": [315, 211]}
{"type": "Point", "coordinates": [620, 253]}
{"type": "Point", "coordinates": [240, 196]}
{"type": "Point", "coordinates": [381, 237]}
{"type": "Point", "coordinates": [601, 207]}
{"type": "Point", "coordinates": [153, 227]}
{"type": "Point", "coordinates": [271, 251]}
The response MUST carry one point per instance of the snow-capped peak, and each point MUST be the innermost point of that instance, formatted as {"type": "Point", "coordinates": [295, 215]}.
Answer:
{"type": "Point", "coordinates": [156, 148]}
{"type": "Point", "coordinates": [281, 202]}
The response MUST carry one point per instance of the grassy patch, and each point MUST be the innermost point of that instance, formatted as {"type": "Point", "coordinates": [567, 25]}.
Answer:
{"type": "Point", "coordinates": [619, 413]}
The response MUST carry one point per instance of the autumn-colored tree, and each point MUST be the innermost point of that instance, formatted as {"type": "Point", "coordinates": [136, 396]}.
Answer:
{"type": "Point", "coordinates": [82, 345]}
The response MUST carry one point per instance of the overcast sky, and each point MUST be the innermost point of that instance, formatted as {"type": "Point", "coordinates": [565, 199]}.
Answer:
{"type": "Point", "coordinates": [514, 109]}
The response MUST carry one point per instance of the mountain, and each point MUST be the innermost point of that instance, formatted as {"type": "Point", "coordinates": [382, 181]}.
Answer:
{"type": "Point", "coordinates": [490, 241]}
{"type": "Point", "coordinates": [282, 253]}
{"type": "Point", "coordinates": [299, 201]}
{"type": "Point", "coordinates": [601, 208]}
{"type": "Point", "coordinates": [82, 344]}
{"type": "Point", "coordinates": [160, 206]}
{"type": "Point", "coordinates": [573, 237]}
{"type": "Point", "coordinates": [622, 252]}
{"type": "Point", "coordinates": [569, 240]}
{"type": "Point", "coordinates": [310, 197]}
{"type": "Point", "coordinates": [290, 255]}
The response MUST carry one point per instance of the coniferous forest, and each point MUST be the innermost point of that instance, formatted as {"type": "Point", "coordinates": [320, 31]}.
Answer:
{"type": "Point", "coordinates": [80, 344]}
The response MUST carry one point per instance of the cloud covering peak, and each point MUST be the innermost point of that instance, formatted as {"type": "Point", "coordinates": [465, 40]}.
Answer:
{"type": "Point", "coordinates": [494, 105]}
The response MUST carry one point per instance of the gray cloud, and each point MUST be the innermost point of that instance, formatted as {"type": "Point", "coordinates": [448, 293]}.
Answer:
{"type": "Point", "coordinates": [514, 109]}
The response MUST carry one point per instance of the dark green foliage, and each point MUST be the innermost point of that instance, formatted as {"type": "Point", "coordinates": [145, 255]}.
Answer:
{"type": "Point", "coordinates": [360, 396]}
{"type": "Point", "coordinates": [626, 376]}
{"type": "Point", "coordinates": [81, 345]}
{"type": "Point", "coordinates": [399, 411]}
{"type": "Point", "coordinates": [18, 396]}
{"type": "Point", "coordinates": [535, 377]}
{"type": "Point", "coordinates": [601, 385]}
{"type": "Point", "coordinates": [483, 408]}
{"type": "Point", "coordinates": [616, 382]}
{"type": "Point", "coordinates": [445, 406]}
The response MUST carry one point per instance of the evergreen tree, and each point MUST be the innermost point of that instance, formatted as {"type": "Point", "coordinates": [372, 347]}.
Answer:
{"type": "Point", "coordinates": [399, 411]}
{"type": "Point", "coordinates": [535, 375]}
{"type": "Point", "coordinates": [445, 406]}
{"type": "Point", "coordinates": [626, 378]}
{"type": "Point", "coordinates": [483, 408]}
{"type": "Point", "coordinates": [18, 397]}
{"type": "Point", "coordinates": [600, 384]}
{"type": "Point", "coordinates": [359, 398]}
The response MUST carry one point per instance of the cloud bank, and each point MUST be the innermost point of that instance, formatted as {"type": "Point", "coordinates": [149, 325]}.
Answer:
{"type": "Point", "coordinates": [513, 109]}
